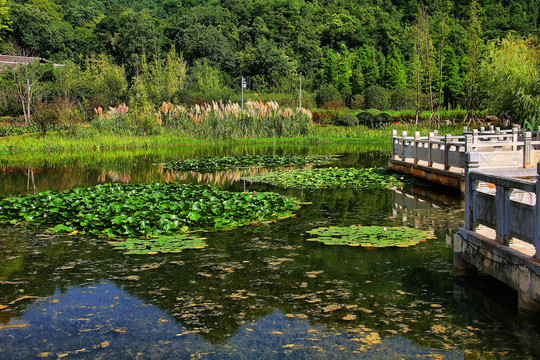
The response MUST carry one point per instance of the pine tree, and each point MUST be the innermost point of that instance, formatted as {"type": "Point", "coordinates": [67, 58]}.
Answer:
{"type": "Point", "coordinates": [453, 82]}
{"type": "Point", "coordinates": [344, 72]}
{"type": "Point", "coordinates": [395, 73]}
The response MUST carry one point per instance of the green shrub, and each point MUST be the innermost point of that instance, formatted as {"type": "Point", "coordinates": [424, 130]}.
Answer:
{"type": "Point", "coordinates": [381, 120]}
{"type": "Point", "coordinates": [365, 118]}
{"type": "Point", "coordinates": [402, 99]}
{"type": "Point", "coordinates": [45, 116]}
{"type": "Point", "coordinates": [327, 94]}
{"type": "Point", "coordinates": [357, 102]}
{"type": "Point", "coordinates": [347, 120]}
{"type": "Point", "coordinates": [376, 97]}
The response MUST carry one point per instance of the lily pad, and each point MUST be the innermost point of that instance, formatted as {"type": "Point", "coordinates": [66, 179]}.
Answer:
{"type": "Point", "coordinates": [128, 211]}
{"type": "Point", "coordinates": [370, 236]}
{"type": "Point", "coordinates": [368, 178]}
{"type": "Point", "coordinates": [213, 164]}
{"type": "Point", "coordinates": [164, 244]}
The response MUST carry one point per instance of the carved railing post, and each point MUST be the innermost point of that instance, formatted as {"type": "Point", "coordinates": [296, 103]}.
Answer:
{"type": "Point", "coordinates": [394, 136]}
{"type": "Point", "coordinates": [430, 139]}
{"type": "Point", "coordinates": [446, 150]}
{"type": "Point", "coordinates": [515, 133]}
{"type": "Point", "coordinates": [537, 213]}
{"type": "Point", "coordinates": [472, 162]}
{"type": "Point", "coordinates": [474, 138]}
{"type": "Point", "coordinates": [403, 136]}
{"type": "Point", "coordinates": [468, 142]}
{"type": "Point", "coordinates": [416, 144]}
{"type": "Point", "coordinates": [527, 149]}
{"type": "Point", "coordinates": [502, 200]}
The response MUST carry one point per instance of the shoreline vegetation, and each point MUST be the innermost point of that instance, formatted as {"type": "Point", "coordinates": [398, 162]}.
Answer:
{"type": "Point", "coordinates": [63, 141]}
{"type": "Point", "coordinates": [215, 123]}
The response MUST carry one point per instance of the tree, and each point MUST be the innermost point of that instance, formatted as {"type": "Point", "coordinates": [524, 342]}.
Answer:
{"type": "Point", "coordinates": [5, 21]}
{"type": "Point", "coordinates": [373, 63]}
{"type": "Point", "coordinates": [452, 79]}
{"type": "Point", "coordinates": [26, 80]}
{"type": "Point", "coordinates": [35, 31]}
{"type": "Point", "coordinates": [441, 18]}
{"type": "Point", "coordinates": [162, 78]}
{"type": "Point", "coordinates": [206, 78]}
{"type": "Point", "coordinates": [511, 76]}
{"type": "Point", "coordinates": [344, 72]}
{"type": "Point", "coordinates": [137, 34]}
{"type": "Point", "coordinates": [474, 56]}
{"type": "Point", "coordinates": [426, 47]}
{"type": "Point", "coordinates": [395, 73]}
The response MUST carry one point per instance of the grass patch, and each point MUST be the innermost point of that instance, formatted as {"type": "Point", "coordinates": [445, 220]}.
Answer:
{"type": "Point", "coordinates": [66, 141]}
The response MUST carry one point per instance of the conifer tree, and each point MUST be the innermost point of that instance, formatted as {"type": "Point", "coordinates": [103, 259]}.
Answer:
{"type": "Point", "coordinates": [395, 73]}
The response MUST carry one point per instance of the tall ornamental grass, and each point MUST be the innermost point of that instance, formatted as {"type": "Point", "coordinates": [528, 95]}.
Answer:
{"type": "Point", "coordinates": [230, 121]}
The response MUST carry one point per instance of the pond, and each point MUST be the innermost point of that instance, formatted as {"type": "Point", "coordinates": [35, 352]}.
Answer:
{"type": "Point", "coordinates": [255, 291]}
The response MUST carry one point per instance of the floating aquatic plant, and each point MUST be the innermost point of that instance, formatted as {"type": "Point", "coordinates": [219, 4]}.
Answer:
{"type": "Point", "coordinates": [370, 236]}
{"type": "Point", "coordinates": [369, 178]}
{"type": "Point", "coordinates": [164, 244]}
{"type": "Point", "coordinates": [212, 164]}
{"type": "Point", "coordinates": [125, 210]}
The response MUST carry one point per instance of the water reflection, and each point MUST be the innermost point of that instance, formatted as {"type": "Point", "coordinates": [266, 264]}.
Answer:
{"type": "Point", "coordinates": [254, 290]}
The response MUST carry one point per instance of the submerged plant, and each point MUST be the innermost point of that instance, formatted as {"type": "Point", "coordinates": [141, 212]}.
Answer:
{"type": "Point", "coordinates": [124, 210]}
{"type": "Point", "coordinates": [212, 164]}
{"type": "Point", "coordinates": [369, 178]}
{"type": "Point", "coordinates": [370, 236]}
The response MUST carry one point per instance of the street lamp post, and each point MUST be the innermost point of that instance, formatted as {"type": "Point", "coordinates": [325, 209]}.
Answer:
{"type": "Point", "coordinates": [243, 87]}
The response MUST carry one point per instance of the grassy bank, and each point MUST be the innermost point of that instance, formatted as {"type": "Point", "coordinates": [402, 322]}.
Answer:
{"type": "Point", "coordinates": [65, 141]}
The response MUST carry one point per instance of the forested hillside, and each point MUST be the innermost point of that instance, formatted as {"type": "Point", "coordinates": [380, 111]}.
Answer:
{"type": "Point", "coordinates": [416, 56]}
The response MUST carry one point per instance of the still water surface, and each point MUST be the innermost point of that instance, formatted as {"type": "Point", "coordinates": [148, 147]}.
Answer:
{"type": "Point", "coordinates": [254, 292]}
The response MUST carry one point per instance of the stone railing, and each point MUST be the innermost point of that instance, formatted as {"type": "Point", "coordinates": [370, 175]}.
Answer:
{"type": "Point", "coordinates": [498, 148]}
{"type": "Point", "coordinates": [501, 201]}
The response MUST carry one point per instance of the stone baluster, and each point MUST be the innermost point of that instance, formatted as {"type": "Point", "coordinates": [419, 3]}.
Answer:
{"type": "Point", "coordinates": [502, 200]}
{"type": "Point", "coordinates": [403, 136]}
{"type": "Point", "coordinates": [394, 142]}
{"type": "Point", "coordinates": [416, 144]}
{"type": "Point", "coordinates": [515, 133]}
{"type": "Point", "coordinates": [537, 213]}
{"type": "Point", "coordinates": [446, 151]}
{"type": "Point", "coordinates": [527, 149]}
{"type": "Point", "coordinates": [430, 139]}
{"type": "Point", "coordinates": [475, 139]}
{"type": "Point", "coordinates": [472, 162]}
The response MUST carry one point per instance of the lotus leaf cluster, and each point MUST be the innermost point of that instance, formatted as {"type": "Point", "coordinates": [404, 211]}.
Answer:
{"type": "Point", "coordinates": [124, 210]}
{"type": "Point", "coordinates": [164, 244]}
{"type": "Point", "coordinates": [367, 178]}
{"type": "Point", "coordinates": [212, 164]}
{"type": "Point", "coordinates": [370, 236]}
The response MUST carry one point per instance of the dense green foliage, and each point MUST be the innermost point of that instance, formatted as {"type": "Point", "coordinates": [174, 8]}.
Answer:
{"type": "Point", "coordinates": [119, 210]}
{"type": "Point", "coordinates": [397, 54]}
{"type": "Point", "coordinates": [368, 178]}
{"type": "Point", "coordinates": [212, 164]}
{"type": "Point", "coordinates": [370, 236]}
